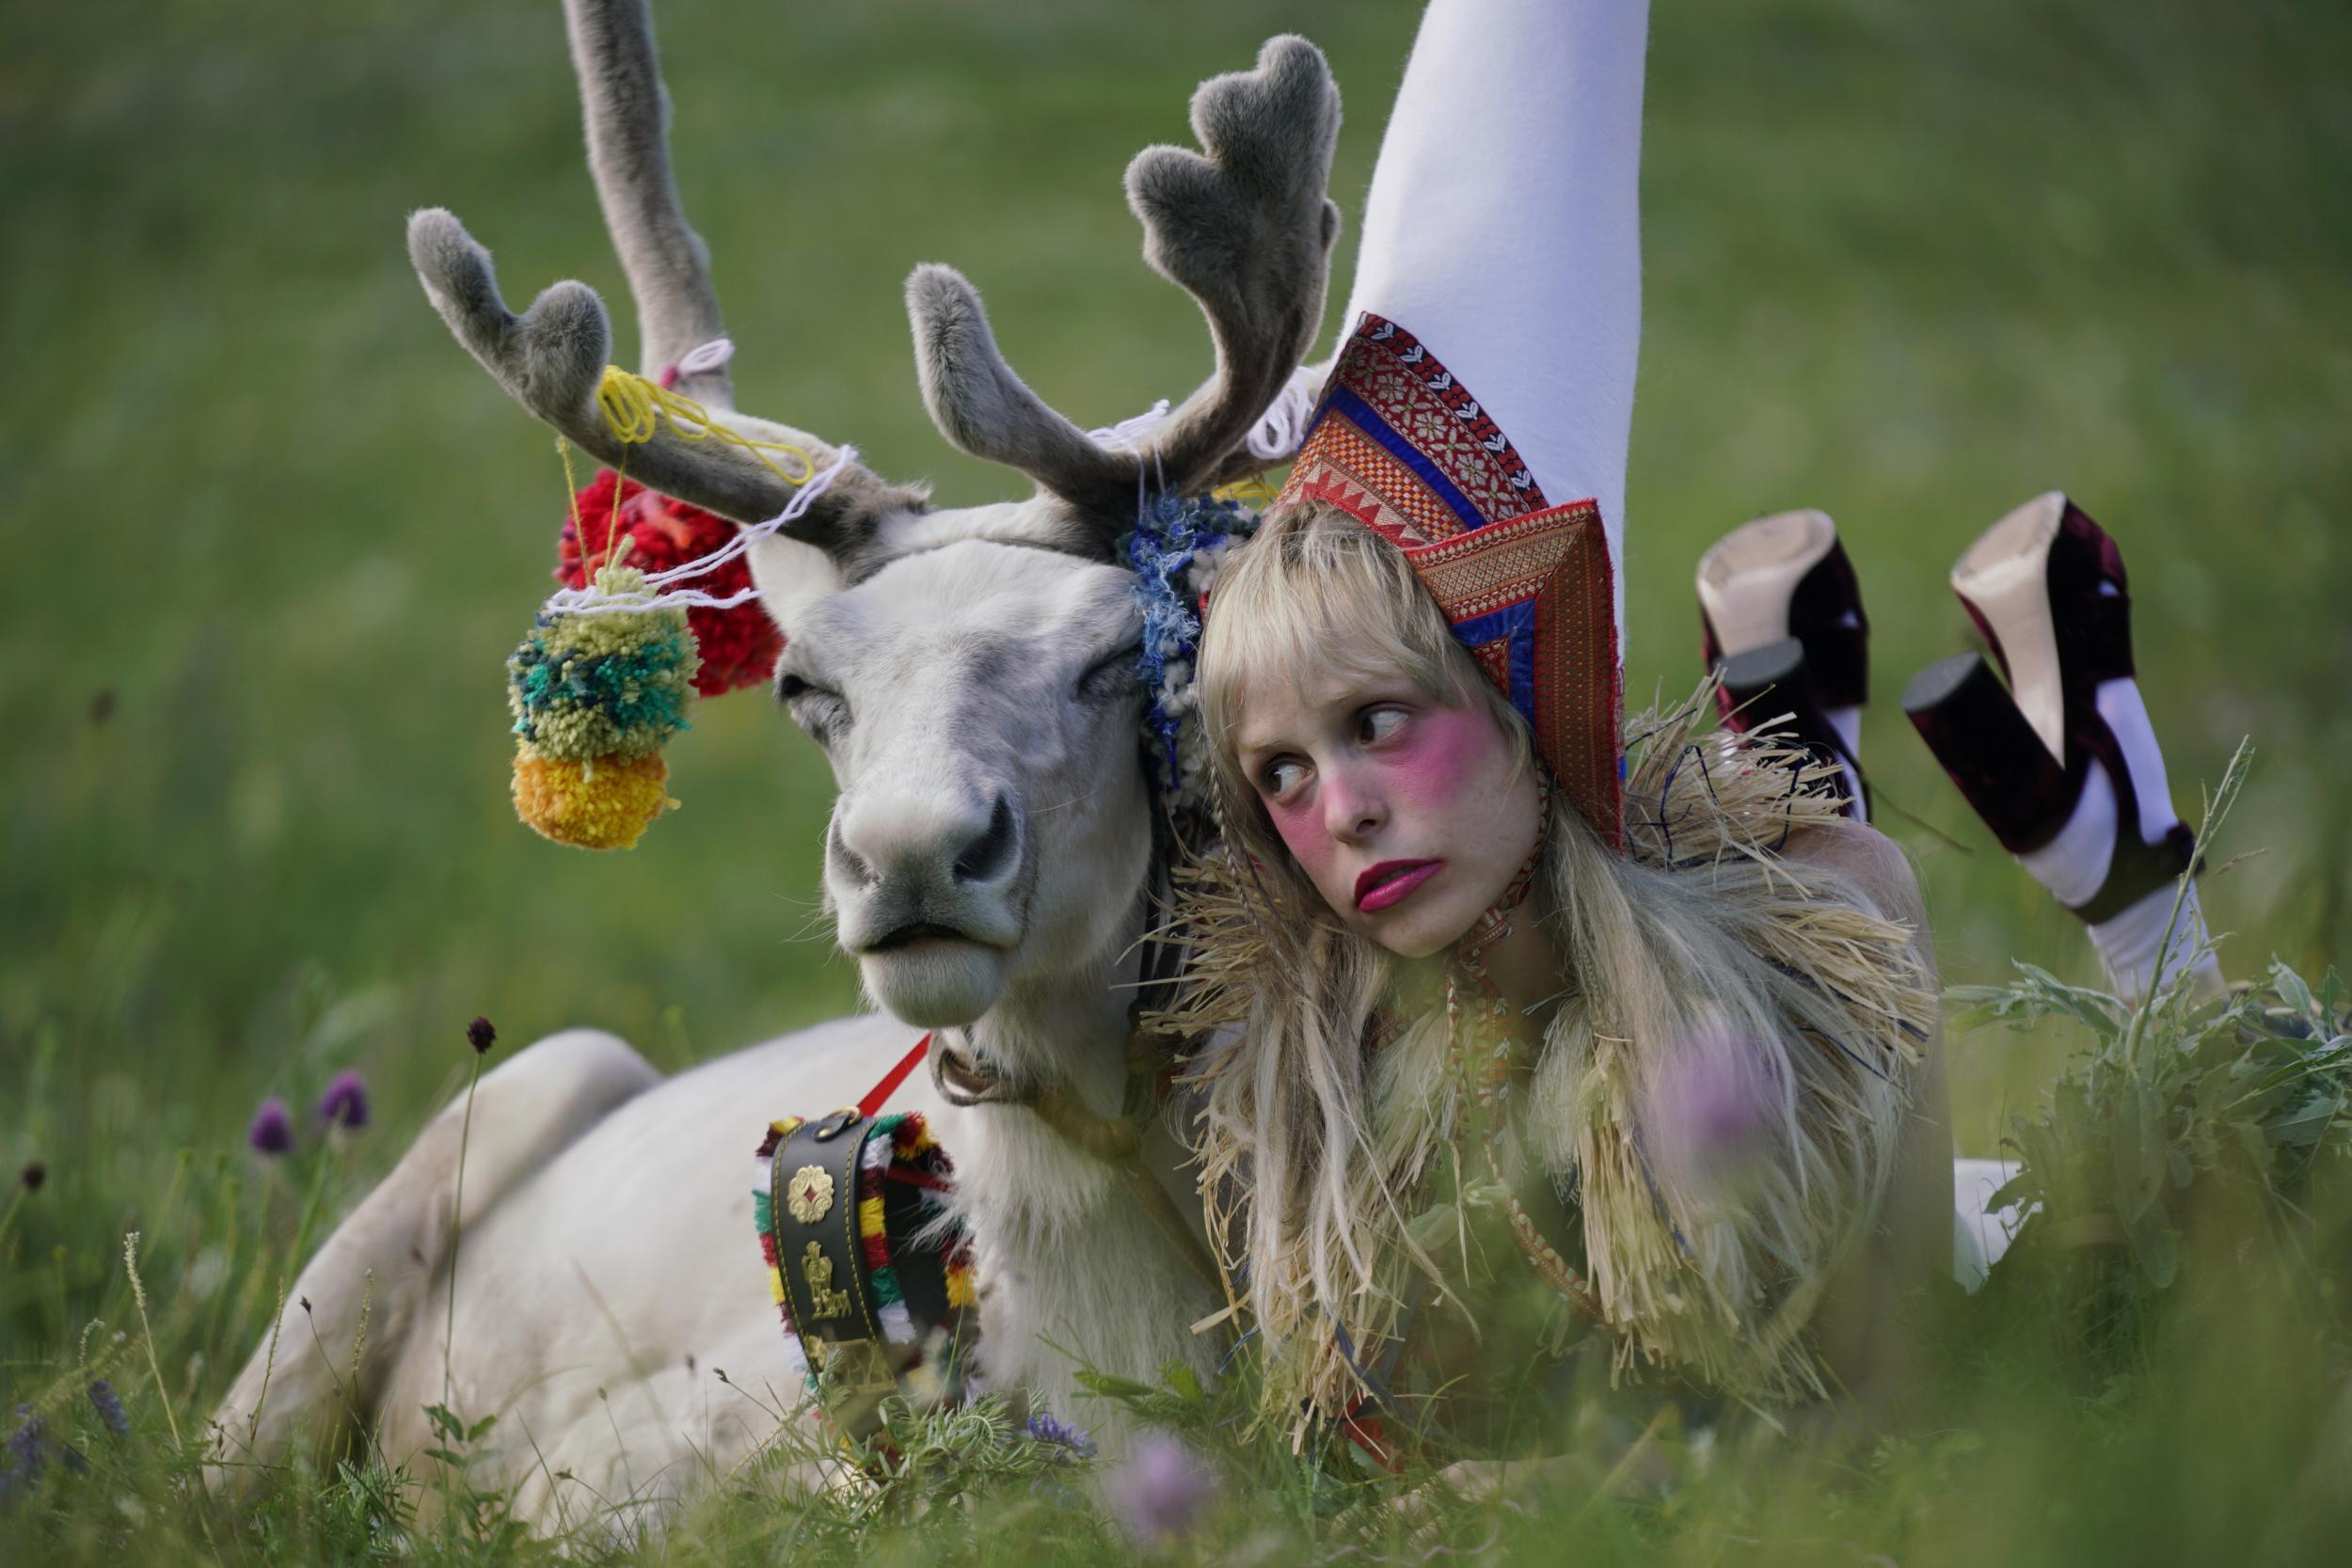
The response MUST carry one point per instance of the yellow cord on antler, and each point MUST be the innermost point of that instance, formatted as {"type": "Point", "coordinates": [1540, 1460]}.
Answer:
{"type": "Point", "coordinates": [1253, 491]}
{"type": "Point", "coordinates": [633, 408]}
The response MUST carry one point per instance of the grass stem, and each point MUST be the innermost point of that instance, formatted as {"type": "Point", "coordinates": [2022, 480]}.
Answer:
{"type": "Point", "coordinates": [457, 1229]}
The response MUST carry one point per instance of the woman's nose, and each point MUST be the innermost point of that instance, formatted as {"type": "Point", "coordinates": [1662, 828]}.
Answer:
{"type": "Point", "coordinates": [1353, 810]}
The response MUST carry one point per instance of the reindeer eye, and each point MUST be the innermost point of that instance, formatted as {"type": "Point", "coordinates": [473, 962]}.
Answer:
{"type": "Point", "coordinates": [1114, 677]}
{"type": "Point", "coordinates": [817, 709]}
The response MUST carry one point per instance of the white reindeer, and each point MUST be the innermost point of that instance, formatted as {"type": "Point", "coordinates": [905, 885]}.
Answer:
{"type": "Point", "coordinates": [989, 861]}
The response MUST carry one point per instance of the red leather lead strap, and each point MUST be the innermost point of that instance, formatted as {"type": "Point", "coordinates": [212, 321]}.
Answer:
{"type": "Point", "coordinates": [878, 1096]}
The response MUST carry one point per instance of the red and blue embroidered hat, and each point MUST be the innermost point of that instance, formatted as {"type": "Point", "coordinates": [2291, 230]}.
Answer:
{"type": "Point", "coordinates": [1400, 446]}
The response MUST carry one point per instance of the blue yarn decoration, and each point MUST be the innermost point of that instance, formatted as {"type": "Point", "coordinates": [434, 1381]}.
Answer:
{"type": "Point", "coordinates": [1174, 551]}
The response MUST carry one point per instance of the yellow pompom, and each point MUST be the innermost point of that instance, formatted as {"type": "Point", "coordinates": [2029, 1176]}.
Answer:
{"type": "Point", "coordinates": [603, 804]}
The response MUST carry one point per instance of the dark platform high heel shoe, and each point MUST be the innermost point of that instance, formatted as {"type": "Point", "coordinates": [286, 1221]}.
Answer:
{"type": "Point", "coordinates": [1780, 612]}
{"type": "Point", "coordinates": [2047, 587]}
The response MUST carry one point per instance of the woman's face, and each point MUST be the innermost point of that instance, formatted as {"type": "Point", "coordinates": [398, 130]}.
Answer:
{"type": "Point", "coordinates": [1411, 816]}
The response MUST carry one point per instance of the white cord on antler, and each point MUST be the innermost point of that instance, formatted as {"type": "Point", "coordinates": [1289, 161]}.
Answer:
{"type": "Point", "coordinates": [1130, 433]}
{"type": "Point", "coordinates": [1281, 430]}
{"type": "Point", "coordinates": [1277, 436]}
{"type": "Point", "coordinates": [706, 358]}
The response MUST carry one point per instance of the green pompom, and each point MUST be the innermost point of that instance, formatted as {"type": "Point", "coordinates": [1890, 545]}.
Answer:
{"type": "Point", "coordinates": [615, 684]}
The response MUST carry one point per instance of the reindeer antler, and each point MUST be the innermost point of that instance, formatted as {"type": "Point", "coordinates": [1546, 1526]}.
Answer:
{"type": "Point", "coordinates": [1244, 226]}
{"type": "Point", "coordinates": [551, 357]}
{"type": "Point", "coordinates": [626, 115]}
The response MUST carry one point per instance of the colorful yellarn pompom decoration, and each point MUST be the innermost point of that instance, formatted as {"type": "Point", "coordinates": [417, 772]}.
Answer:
{"type": "Point", "coordinates": [595, 695]}
{"type": "Point", "coordinates": [738, 645]}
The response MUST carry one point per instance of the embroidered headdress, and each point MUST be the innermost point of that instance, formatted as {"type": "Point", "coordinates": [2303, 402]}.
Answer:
{"type": "Point", "coordinates": [1402, 446]}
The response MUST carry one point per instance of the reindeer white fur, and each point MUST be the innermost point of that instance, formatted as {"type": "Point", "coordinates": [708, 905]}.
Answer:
{"type": "Point", "coordinates": [989, 860]}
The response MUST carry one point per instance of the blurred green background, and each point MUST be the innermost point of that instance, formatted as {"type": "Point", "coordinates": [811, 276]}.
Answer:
{"type": "Point", "coordinates": [275, 533]}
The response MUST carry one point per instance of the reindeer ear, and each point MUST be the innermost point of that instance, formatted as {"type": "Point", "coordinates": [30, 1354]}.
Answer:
{"type": "Point", "coordinates": [791, 575]}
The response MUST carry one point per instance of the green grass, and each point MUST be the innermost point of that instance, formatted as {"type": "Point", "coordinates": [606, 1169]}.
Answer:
{"type": "Point", "coordinates": [272, 535]}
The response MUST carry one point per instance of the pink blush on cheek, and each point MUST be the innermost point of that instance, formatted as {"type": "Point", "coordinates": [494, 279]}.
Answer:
{"type": "Point", "coordinates": [1441, 753]}
{"type": "Point", "coordinates": [1300, 828]}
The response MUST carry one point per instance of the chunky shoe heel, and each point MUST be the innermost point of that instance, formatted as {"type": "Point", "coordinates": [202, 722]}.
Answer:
{"type": "Point", "coordinates": [1773, 688]}
{"type": "Point", "coordinates": [2007, 776]}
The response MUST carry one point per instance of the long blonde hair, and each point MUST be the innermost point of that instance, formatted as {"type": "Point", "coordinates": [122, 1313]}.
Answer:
{"type": "Point", "coordinates": [1698, 941]}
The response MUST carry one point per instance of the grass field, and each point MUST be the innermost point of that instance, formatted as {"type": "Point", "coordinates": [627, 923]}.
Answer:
{"type": "Point", "coordinates": [274, 534]}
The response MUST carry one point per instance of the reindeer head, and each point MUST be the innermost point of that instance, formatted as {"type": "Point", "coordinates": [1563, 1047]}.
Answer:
{"type": "Point", "coordinates": [969, 671]}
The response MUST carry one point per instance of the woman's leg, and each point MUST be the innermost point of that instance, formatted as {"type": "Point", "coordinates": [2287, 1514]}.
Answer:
{"type": "Point", "coordinates": [2062, 764]}
{"type": "Point", "coordinates": [1503, 228]}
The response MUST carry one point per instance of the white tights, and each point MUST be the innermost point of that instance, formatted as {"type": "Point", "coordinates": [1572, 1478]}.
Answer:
{"type": "Point", "coordinates": [2074, 864]}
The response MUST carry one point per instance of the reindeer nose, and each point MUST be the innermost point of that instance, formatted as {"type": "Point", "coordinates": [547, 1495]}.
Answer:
{"type": "Point", "coordinates": [936, 844]}
{"type": "Point", "coordinates": [989, 856]}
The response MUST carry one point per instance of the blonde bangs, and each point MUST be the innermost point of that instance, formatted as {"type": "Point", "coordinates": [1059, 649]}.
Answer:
{"type": "Point", "coordinates": [1317, 592]}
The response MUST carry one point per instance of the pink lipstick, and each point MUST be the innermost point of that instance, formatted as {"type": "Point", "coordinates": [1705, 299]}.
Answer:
{"type": "Point", "coordinates": [1392, 882]}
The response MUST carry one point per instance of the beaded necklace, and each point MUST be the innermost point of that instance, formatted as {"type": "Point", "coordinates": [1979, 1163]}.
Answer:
{"type": "Point", "coordinates": [1478, 1028]}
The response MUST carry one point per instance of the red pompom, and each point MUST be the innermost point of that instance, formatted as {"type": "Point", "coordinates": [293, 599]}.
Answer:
{"type": "Point", "coordinates": [739, 645]}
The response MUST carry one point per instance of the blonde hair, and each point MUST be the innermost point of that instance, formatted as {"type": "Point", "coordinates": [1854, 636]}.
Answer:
{"type": "Point", "coordinates": [1313, 1146]}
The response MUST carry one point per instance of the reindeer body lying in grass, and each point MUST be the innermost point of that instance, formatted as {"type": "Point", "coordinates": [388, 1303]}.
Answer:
{"type": "Point", "coordinates": [989, 861]}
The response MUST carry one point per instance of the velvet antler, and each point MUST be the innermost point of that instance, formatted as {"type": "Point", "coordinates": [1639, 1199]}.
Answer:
{"type": "Point", "coordinates": [551, 357]}
{"type": "Point", "coordinates": [1243, 225]}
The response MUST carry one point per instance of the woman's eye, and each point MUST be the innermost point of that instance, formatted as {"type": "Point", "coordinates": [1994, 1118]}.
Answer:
{"type": "Point", "coordinates": [1281, 778]}
{"type": "Point", "coordinates": [1379, 724]}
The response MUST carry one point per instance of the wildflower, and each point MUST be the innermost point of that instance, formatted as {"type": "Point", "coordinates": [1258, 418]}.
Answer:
{"type": "Point", "coordinates": [271, 1132]}
{"type": "Point", "coordinates": [109, 1407]}
{"type": "Point", "coordinates": [481, 1036]}
{"type": "Point", "coordinates": [1042, 1427]}
{"type": "Point", "coordinates": [28, 1446]}
{"type": "Point", "coordinates": [1710, 1114]}
{"type": "Point", "coordinates": [345, 1102]}
{"type": "Point", "coordinates": [33, 1175]}
{"type": "Point", "coordinates": [1160, 1490]}
{"type": "Point", "coordinates": [24, 1457]}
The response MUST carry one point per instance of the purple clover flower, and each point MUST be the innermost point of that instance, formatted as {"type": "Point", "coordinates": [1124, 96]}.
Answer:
{"type": "Point", "coordinates": [28, 1446]}
{"type": "Point", "coordinates": [109, 1407]}
{"type": "Point", "coordinates": [1042, 1427]}
{"type": "Point", "coordinates": [271, 1131]}
{"type": "Point", "coordinates": [345, 1102]}
{"type": "Point", "coordinates": [1722, 1106]}
{"type": "Point", "coordinates": [1161, 1489]}
{"type": "Point", "coordinates": [27, 1454]}
{"type": "Point", "coordinates": [1709, 1115]}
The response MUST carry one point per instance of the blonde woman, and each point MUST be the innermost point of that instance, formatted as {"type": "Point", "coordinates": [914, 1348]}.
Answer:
{"type": "Point", "coordinates": [1511, 996]}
